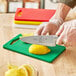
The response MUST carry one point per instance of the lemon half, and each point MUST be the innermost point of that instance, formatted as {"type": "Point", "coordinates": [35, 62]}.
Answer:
{"type": "Point", "coordinates": [24, 70]}
{"type": "Point", "coordinates": [39, 49]}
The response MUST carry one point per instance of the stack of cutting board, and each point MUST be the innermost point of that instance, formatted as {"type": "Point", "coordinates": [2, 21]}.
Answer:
{"type": "Point", "coordinates": [31, 18]}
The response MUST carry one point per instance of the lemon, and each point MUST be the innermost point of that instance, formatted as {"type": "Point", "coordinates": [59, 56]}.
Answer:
{"type": "Point", "coordinates": [14, 71]}
{"type": "Point", "coordinates": [11, 72]}
{"type": "Point", "coordinates": [22, 72]}
{"type": "Point", "coordinates": [25, 35]}
{"type": "Point", "coordinates": [10, 66]}
{"type": "Point", "coordinates": [39, 49]}
{"type": "Point", "coordinates": [31, 70]}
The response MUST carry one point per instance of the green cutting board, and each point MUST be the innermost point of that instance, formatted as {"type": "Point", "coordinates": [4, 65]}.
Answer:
{"type": "Point", "coordinates": [22, 48]}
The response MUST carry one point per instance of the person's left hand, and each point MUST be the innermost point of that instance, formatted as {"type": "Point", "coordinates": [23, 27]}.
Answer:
{"type": "Point", "coordinates": [67, 34]}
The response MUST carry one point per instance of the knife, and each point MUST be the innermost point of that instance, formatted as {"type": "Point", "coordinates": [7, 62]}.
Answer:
{"type": "Point", "coordinates": [49, 40]}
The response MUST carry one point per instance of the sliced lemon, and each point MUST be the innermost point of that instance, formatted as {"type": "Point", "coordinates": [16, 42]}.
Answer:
{"type": "Point", "coordinates": [31, 70]}
{"type": "Point", "coordinates": [11, 72]}
{"type": "Point", "coordinates": [10, 66]}
{"type": "Point", "coordinates": [39, 49]}
{"type": "Point", "coordinates": [16, 71]}
{"type": "Point", "coordinates": [22, 72]}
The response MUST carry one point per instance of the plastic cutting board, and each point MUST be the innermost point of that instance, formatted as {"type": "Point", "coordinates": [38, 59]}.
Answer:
{"type": "Point", "coordinates": [29, 14]}
{"type": "Point", "coordinates": [22, 48]}
{"type": "Point", "coordinates": [27, 22]}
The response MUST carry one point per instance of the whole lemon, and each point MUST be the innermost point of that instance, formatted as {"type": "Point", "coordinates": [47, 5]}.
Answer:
{"type": "Point", "coordinates": [38, 49]}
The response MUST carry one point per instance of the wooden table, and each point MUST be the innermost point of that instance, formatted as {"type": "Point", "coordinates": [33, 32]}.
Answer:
{"type": "Point", "coordinates": [64, 65]}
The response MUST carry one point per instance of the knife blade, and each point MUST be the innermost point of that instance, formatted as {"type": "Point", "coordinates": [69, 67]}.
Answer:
{"type": "Point", "coordinates": [49, 40]}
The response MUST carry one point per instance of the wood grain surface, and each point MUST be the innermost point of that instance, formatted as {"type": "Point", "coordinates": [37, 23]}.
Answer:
{"type": "Point", "coordinates": [64, 65]}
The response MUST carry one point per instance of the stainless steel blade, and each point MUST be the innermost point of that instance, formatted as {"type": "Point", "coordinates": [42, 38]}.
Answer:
{"type": "Point", "coordinates": [49, 40]}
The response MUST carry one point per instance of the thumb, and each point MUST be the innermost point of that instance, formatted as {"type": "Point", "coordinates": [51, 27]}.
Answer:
{"type": "Point", "coordinates": [60, 30]}
{"type": "Point", "coordinates": [60, 39]}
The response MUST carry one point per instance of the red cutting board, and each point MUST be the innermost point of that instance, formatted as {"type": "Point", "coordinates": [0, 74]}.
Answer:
{"type": "Point", "coordinates": [28, 14]}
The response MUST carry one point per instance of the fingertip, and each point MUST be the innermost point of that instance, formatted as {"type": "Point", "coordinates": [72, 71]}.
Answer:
{"type": "Point", "coordinates": [39, 31]}
{"type": "Point", "coordinates": [44, 32]}
{"type": "Point", "coordinates": [57, 33]}
{"type": "Point", "coordinates": [60, 39]}
{"type": "Point", "coordinates": [60, 30]}
{"type": "Point", "coordinates": [59, 42]}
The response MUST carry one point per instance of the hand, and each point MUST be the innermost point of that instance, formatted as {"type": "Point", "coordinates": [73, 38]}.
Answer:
{"type": "Point", "coordinates": [67, 34]}
{"type": "Point", "coordinates": [45, 28]}
{"type": "Point", "coordinates": [50, 27]}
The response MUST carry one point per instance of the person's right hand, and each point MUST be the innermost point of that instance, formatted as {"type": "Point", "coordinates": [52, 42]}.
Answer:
{"type": "Point", "coordinates": [47, 27]}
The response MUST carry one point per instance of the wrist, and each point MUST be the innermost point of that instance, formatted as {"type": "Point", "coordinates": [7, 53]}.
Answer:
{"type": "Point", "coordinates": [57, 21]}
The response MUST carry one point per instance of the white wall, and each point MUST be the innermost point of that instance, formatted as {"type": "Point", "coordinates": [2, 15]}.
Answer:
{"type": "Point", "coordinates": [50, 5]}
